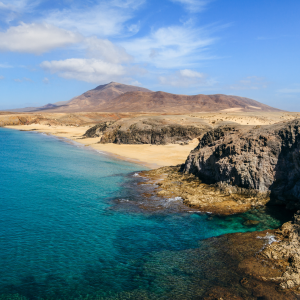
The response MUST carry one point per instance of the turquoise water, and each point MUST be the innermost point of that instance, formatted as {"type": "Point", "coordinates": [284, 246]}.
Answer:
{"type": "Point", "coordinates": [70, 229]}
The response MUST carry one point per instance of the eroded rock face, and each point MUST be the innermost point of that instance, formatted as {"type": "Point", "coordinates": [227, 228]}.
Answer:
{"type": "Point", "coordinates": [260, 158]}
{"type": "Point", "coordinates": [98, 129]}
{"type": "Point", "coordinates": [148, 130]}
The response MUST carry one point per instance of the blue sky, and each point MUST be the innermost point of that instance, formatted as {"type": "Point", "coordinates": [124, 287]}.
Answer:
{"type": "Point", "coordinates": [54, 50]}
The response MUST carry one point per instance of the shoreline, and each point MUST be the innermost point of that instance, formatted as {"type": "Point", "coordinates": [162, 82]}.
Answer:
{"type": "Point", "coordinates": [150, 156]}
{"type": "Point", "coordinates": [242, 249]}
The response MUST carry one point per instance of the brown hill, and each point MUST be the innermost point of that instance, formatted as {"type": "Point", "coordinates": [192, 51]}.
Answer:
{"type": "Point", "coordinates": [117, 97]}
{"type": "Point", "coordinates": [171, 103]}
{"type": "Point", "coordinates": [94, 100]}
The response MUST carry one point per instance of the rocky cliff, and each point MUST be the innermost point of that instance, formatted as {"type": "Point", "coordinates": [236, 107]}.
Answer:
{"type": "Point", "coordinates": [157, 130]}
{"type": "Point", "coordinates": [260, 158]}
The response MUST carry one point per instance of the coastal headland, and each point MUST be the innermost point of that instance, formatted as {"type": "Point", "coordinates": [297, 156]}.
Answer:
{"type": "Point", "coordinates": [221, 162]}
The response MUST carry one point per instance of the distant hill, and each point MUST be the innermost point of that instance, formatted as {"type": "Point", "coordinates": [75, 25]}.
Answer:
{"type": "Point", "coordinates": [32, 109]}
{"type": "Point", "coordinates": [89, 101]}
{"type": "Point", "coordinates": [94, 100]}
{"type": "Point", "coordinates": [172, 103]}
{"type": "Point", "coordinates": [117, 97]}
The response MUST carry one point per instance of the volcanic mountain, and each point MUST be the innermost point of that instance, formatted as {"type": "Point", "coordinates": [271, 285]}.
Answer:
{"type": "Point", "coordinates": [117, 97]}
{"type": "Point", "coordinates": [98, 98]}
{"type": "Point", "coordinates": [172, 103]}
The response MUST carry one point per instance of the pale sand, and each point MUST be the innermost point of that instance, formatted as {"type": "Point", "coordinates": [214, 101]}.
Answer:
{"type": "Point", "coordinates": [151, 156]}
{"type": "Point", "coordinates": [148, 155]}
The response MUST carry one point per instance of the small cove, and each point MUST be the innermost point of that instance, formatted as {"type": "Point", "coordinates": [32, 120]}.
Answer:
{"type": "Point", "coordinates": [70, 227]}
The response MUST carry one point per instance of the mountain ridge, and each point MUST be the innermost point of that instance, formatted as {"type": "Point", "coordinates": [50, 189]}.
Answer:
{"type": "Point", "coordinates": [117, 97]}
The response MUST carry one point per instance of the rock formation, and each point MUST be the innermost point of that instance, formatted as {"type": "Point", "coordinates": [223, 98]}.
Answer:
{"type": "Point", "coordinates": [265, 159]}
{"type": "Point", "coordinates": [157, 130]}
{"type": "Point", "coordinates": [285, 253]}
{"type": "Point", "coordinates": [98, 129]}
{"type": "Point", "coordinates": [213, 198]}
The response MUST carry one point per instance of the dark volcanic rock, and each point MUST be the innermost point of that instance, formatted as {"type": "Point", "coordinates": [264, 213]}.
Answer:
{"type": "Point", "coordinates": [144, 130]}
{"type": "Point", "coordinates": [260, 158]}
{"type": "Point", "coordinates": [98, 129]}
{"type": "Point", "coordinates": [151, 133]}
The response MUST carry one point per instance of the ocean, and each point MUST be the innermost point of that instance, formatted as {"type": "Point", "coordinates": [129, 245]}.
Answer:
{"type": "Point", "coordinates": [72, 227]}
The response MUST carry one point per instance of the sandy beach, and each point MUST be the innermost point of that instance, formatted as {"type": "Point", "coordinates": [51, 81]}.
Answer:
{"type": "Point", "coordinates": [73, 126]}
{"type": "Point", "coordinates": [151, 156]}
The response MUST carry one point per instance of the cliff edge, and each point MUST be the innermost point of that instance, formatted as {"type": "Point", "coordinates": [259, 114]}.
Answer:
{"type": "Point", "coordinates": [263, 159]}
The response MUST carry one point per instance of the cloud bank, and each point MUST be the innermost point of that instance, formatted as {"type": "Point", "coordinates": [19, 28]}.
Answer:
{"type": "Point", "coordinates": [36, 38]}
{"type": "Point", "coordinates": [186, 78]}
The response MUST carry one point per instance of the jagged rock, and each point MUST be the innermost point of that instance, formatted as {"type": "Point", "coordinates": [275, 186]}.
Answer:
{"type": "Point", "coordinates": [265, 159]}
{"type": "Point", "coordinates": [149, 130]}
{"type": "Point", "coordinates": [219, 198]}
{"type": "Point", "coordinates": [286, 252]}
{"type": "Point", "coordinates": [98, 129]}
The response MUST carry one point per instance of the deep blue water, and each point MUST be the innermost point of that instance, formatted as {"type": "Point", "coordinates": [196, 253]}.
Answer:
{"type": "Point", "coordinates": [63, 235]}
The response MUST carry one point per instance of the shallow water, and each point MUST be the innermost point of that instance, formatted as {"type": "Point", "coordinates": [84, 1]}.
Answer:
{"type": "Point", "coordinates": [72, 226]}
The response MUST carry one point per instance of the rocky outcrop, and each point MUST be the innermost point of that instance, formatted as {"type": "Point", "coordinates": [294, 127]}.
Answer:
{"type": "Point", "coordinates": [97, 130]}
{"type": "Point", "coordinates": [219, 198]}
{"type": "Point", "coordinates": [284, 254]}
{"type": "Point", "coordinates": [13, 120]}
{"type": "Point", "coordinates": [265, 159]}
{"type": "Point", "coordinates": [148, 130]}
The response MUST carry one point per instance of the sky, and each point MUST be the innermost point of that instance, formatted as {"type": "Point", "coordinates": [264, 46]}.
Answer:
{"type": "Point", "coordinates": [52, 51]}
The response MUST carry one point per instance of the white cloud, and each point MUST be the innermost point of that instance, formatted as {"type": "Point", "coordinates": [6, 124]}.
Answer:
{"type": "Point", "coordinates": [133, 4]}
{"type": "Point", "coordinates": [23, 79]}
{"type": "Point", "coordinates": [36, 38]}
{"type": "Point", "coordinates": [18, 5]}
{"type": "Point", "coordinates": [5, 66]}
{"type": "Point", "coordinates": [290, 91]}
{"type": "Point", "coordinates": [134, 28]}
{"type": "Point", "coordinates": [193, 5]}
{"type": "Point", "coordinates": [186, 78]}
{"type": "Point", "coordinates": [92, 70]}
{"type": "Point", "coordinates": [191, 74]}
{"type": "Point", "coordinates": [106, 62]}
{"type": "Point", "coordinates": [104, 19]}
{"type": "Point", "coordinates": [4, 6]}
{"type": "Point", "coordinates": [106, 50]}
{"type": "Point", "coordinates": [136, 83]}
{"type": "Point", "coordinates": [171, 47]}
{"type": "Point", "coordinates": [89, 70]}
{"type": "Point", "coordinates": [11, 9]}
{"type": "Point", "coordinates": [46, 80]}
{"type": "Point", "coordinates": [250, 83]}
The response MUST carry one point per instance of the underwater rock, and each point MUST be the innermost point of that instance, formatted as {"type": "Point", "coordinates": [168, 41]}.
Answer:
{"type": "Point", "coordinates": [251, 222]}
